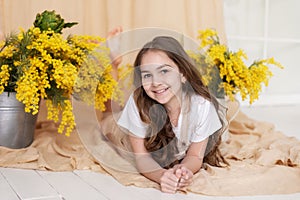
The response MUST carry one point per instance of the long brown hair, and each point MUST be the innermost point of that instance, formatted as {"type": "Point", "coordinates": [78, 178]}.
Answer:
{"type": "Point", "coordinates": [161, 141]}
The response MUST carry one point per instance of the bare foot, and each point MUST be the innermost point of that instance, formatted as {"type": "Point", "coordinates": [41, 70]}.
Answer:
{"type": "Point", "coordinates": [113, 43]}
{"type": "Point", "coordinates": [114, 32]}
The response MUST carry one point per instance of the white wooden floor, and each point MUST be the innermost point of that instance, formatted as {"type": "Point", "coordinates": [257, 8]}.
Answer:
{"type": "Point", "coordinates": [23, 184]}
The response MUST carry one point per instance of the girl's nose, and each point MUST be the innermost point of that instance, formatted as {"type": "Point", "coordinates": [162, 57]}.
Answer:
{"type": "Point", "coordinates": [156, 80]}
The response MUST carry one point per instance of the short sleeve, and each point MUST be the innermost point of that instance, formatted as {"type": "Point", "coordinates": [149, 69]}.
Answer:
{"type": "Point", "coordinates": [130, 119]}
{"type": "Point", "coordinates": [206, 122]}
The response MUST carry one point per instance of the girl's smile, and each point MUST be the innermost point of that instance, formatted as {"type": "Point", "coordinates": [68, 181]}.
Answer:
{"type": "Point", "coordinates": [161, 78]}
{"type": "Point", "coordinates": [160, 91]}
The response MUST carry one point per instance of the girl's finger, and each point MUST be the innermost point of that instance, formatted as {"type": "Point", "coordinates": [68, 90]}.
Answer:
{"type": "Point", "coordinates": [167, 190]}
{"type": "Point", "coordinates": [169, 184]}
{"type": "Point", "coordinates": [169, 178]}
{"type": "Point", "coordinates": [178, 173]}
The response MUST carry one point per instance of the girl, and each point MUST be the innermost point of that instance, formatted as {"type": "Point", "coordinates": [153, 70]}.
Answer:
{"type": "Point", "coordinates": [172, 119]}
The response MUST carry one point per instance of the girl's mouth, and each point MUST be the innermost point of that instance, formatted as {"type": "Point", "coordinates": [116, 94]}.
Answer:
{"type": "Point", "coordinates": [161, 91]}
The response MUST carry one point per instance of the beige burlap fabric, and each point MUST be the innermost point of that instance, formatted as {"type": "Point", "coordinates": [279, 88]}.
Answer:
{"type": "Point", "coordinates": [262, 160]}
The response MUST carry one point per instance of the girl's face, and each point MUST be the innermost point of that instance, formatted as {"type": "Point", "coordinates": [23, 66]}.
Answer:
{"type": "Point", "coordinates": [161, 78]}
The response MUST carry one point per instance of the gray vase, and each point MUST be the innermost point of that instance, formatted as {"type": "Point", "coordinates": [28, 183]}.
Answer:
{"type": "Point", "coordinates": [16, 126]}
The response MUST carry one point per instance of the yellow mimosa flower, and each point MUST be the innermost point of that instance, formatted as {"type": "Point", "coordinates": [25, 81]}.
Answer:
{"type": "Point", "coordinates": [45, 65]}
{"type": "Point", "coordinates": [234, 75]}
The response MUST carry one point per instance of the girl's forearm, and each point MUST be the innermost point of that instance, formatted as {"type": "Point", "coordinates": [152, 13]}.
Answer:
{"type": "Point", "coordinates": [149, 167]}
{"type": "Point", "coordinates": [193, 163]}
{"type": "Point", "coordinates": [194, 157]}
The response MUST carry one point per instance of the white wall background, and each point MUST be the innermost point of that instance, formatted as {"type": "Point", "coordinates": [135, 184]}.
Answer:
{"type": "Point", "coordinates": [268, 28]}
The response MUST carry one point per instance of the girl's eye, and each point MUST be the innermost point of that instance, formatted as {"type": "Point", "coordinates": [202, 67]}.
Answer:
{"type": "Point", "coordinates": [145, 76]}
{"type": "Point", "coordinates": [164, 71]}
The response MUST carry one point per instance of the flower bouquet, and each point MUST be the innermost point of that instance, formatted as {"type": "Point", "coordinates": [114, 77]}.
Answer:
{"type": "Point", "coordinates": [226, 73]}
{"type": "Point", "coordinates": [40, 63]}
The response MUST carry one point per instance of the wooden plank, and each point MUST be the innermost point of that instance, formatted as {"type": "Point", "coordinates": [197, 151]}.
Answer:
{"type": "Point", "coordinates": [71, 186]}
{"type": "Point", "coordinates": [90, 185]}
{"type": "Point", "coordinates": [28, 184]}
{"type": "Point", "coordinates": [114, 190]}
{"type": "Point", "coordinates": [6, 190]}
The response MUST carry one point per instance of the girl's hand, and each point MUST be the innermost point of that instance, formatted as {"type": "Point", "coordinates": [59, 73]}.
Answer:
{"type": "Point", "coordinates": [186, 177]}
{"type": "Point", "coordinates": [169, 181]}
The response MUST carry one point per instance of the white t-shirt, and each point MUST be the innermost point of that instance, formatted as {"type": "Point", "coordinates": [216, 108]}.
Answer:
{"type": "Point", "coordinates": [203, 120]}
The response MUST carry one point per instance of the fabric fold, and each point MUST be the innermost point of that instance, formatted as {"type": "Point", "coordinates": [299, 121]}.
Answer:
{"type": "Point", "coordinates": [263, 161]}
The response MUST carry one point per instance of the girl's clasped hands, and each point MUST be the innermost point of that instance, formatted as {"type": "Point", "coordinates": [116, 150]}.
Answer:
{"type": "Point", "coordinates": [176, 178]}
